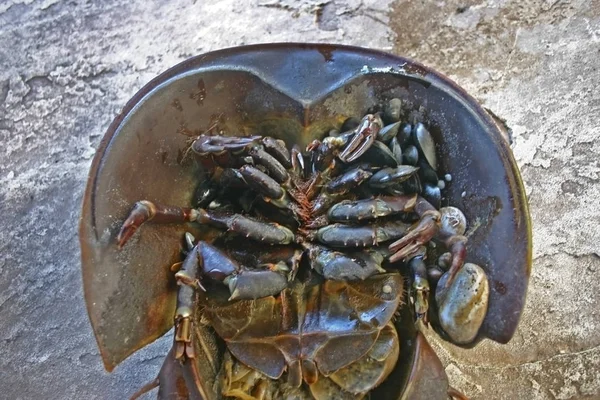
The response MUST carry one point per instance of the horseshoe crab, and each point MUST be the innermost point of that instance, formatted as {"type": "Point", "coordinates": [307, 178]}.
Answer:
{"type": "Point", "coordinates": [306, 89]}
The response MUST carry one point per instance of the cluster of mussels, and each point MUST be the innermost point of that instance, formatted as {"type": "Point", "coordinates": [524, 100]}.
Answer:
{"type": "Point", "coordinates": [461, 303]}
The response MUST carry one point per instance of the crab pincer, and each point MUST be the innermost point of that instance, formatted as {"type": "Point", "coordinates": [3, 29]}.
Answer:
{"type": "Point", "coordinates": [364, 137]}
{"type": "Point", "coordinates": [223, 151]}
{"type": "Point", "coordinates": [203, 260]}
{"type": "Point", "coordinates": [427, 227]}
{"type": "Point", "coordinates": [145, 210]}
{"type": "Point", "coordinates": [432, 224]}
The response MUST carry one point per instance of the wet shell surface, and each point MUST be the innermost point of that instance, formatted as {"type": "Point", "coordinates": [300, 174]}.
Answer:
{"type": "Point", "coordinates": [453, 221]}
{"type": "Point", "coordinates": [462, 306]}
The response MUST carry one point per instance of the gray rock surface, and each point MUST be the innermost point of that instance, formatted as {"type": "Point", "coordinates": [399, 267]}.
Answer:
{"type": "Point", "coordinates": [67, 68]}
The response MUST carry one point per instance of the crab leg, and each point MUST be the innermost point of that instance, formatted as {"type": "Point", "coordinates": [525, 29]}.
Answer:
{"type": "Point", "coordinates": [324, 201]}
{"type": "Point", "coordinates": [350, 266]}
{"type": "Point", "coordinates": [338, 189]}
{"type": "Point", "coordinates": [170, 374]}
{"type": "Point", "coordinates": [282, 259]}
{"type": "Point", "coordinates": [269, 233]}
{"type": "Point", "coordinates": [232, 152]}
{"type": "Point", "coordinates": [456, 395]}
{"type": "Point", "coordinates": [427, 227]}
{"type": "Point", "coordinates": [278, 149]}
{"type": "Point", "coordinates": [212, 263]}
{"type": "Point", "coordinates": [221, 150]}
{"type": "Point", "coordinates": [256, 283]}
{"type": "Point", "coordinates": [420, 287]}
{"type": "Point", "coordinates": [368, 209]}
{"type": "Point", "coordinates": [275, 168]}
{"type": "Point", "coordinates": [457, 244]}
{"type": "Point", "coordinates": [268, 187]}
{"type": "Point", "coordinates": [183, 323]}
{"type": "Point", "coordinates": [273, 257]}
{"type": "Point", "coordinates": [143, 211]}
{"type": "Point", "coordinates": [298, 161]}
{"type": "Point", "coordinates": [340, 235]}
{"type": "Point", "coordinates": [148, 211]}
{"type": "Point", "coordinates": [206, 261]}
{"type": "Point", "coordinates": [348, 180]}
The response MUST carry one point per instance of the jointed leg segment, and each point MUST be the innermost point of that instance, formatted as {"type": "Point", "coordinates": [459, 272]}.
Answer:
{"type": "Point", "coordinates": [143, 211]}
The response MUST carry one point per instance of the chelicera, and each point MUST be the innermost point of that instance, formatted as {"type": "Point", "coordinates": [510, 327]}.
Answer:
{"type": "Point", "coordinates": [311, 238]}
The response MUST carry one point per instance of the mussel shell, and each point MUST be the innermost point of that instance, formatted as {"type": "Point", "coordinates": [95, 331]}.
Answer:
{"type": "Point", "coordinates": [379, 155]}
{"type": "Point", "coordinates": [444, 260]}
{"type": "Point", "coordinates": [432, 194]}
{"type": "Point", "coordinates": [395, 190]}
{"type": "Point", "coordinates": [350, 124]}
{"type": "Point", "coordinates": [396, 150]}
{"type": "Point", "coordinates": [404, 134]}
{"type": "Point", "coordinates": [424, 142]}
{"type": "Point", "coordinates": [410, 155]}
{"type": "Point", "coordinates": [434, 273]}
{"type": "Point", "coordinates": [426, 173]}
{"type": "Point", "coordinates": [388, 132]}
{"type": "Point", "coordinates": [412, 185]}
{"type": "Point", "coordinates": [391, 176]}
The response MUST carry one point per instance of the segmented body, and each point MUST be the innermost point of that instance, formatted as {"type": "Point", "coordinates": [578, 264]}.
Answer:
{"type": "Point", "coordinates": [291, 338]}
{"type": "Point", "coordinates": [339, 210]}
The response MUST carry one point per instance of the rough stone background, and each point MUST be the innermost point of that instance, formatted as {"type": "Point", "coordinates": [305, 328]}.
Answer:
{"type": "Point", "coordinates": [67, 68]}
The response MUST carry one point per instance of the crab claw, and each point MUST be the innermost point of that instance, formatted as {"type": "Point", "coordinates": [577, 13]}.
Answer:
{"type": "Point", "coordinates": [183, 338]}
{"type": "Point", "coordinates": [365, 136]}
{"type": "Point", "coordinates": [426, 229]}
{"type": "Point", "coordinates": [458, 248]}
{"type": "Point", "coordinates": [145, 210]}
{"type": "Point", "coordinates": [142, 211]}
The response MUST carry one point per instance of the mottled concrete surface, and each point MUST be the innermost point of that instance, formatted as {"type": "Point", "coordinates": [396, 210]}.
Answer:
{"type": "Point", "coordinates": [67, 67]}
